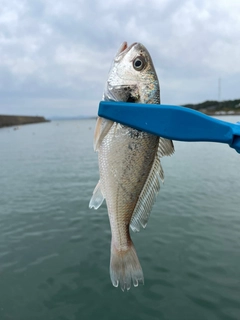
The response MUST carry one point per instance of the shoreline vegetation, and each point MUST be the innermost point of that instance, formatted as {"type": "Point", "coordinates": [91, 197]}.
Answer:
{"type": "Point", "coordinates": [217, 108]}
{"type": "Point", "coordinates": [8, 121]}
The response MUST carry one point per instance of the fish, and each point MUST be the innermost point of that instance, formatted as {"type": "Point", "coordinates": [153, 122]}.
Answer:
{"type": "Point", "coordinates": [129, 161]}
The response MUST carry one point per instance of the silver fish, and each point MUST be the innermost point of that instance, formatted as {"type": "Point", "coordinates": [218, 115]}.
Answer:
{"type": "Point", "coordinates": [129, 161]}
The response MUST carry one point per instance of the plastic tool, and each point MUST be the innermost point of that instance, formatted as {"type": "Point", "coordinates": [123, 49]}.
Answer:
{"type": "Point", "coordinates": [172, 122]}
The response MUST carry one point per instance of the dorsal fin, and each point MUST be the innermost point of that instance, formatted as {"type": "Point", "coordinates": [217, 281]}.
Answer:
{"type": "Point", "coordinates": [151, 188]}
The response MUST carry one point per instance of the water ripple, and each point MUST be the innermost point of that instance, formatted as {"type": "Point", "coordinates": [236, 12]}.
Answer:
{"type": "Point", "coordinates": [55, 251]}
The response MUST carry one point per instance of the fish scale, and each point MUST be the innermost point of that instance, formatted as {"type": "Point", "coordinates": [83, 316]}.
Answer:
{"type": "Point", "coordinates": [131, 172]}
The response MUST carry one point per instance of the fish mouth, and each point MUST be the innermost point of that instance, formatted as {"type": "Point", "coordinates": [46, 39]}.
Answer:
{"type": "Point", "coordinates": [124, 48]}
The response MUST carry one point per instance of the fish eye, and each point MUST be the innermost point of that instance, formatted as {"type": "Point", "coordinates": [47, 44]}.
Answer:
{"type": "Point", "coordinates": [139, 63]}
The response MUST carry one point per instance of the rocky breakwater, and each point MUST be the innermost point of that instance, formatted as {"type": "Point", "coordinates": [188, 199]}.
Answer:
{"type": "Point", "coordinates": [7, 121]}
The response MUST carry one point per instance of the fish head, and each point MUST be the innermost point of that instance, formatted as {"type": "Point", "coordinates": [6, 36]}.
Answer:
{"type": "Point", "coordinates": [132, 76]}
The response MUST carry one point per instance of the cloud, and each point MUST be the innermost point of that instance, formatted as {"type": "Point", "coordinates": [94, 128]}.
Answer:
{"type": "Point", "coordinates": [55, 55]}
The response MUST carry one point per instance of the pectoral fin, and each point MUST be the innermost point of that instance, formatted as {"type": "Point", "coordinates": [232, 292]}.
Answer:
{"type": "Point", "coordinates": [102, 128]}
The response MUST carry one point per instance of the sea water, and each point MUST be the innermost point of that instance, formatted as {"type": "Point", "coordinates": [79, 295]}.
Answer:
{"type": "Point", "coordinates": [55, 251]}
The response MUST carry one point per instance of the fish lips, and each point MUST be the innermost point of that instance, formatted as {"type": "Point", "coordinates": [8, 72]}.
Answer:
{"type": "Point", "coordinates": [124, 49]}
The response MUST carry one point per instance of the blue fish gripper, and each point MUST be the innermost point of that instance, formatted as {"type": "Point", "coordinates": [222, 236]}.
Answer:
{"type": "Point", "coordinates": [172, 122]}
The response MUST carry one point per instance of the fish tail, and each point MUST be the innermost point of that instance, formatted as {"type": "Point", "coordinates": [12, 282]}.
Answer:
{"type": "Point", "coordinates": [125, 268]}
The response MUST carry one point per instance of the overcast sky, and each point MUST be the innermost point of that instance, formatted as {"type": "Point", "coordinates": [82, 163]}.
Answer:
{"type": "Point", "coordinates": [55, 54]}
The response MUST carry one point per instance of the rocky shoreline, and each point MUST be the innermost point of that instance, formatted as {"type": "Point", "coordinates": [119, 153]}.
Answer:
{"type": "Point", "coordinates": [217, 108]}
{"type": "Point", "coordinates": [8, 121]}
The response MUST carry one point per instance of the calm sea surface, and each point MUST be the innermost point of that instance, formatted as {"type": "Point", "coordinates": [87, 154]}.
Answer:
{"type": "Point", "coordinates": [54, 250]}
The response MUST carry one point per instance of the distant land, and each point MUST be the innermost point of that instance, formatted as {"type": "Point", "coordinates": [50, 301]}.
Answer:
{"type": "Point", "coordinates": [209, 107]}
{"type": "Point", "coordinates": [7, 121]}
{"type": "Point", "coordinates": [60, 118]}
{"type": "Point", "coordinates": [230, 107]}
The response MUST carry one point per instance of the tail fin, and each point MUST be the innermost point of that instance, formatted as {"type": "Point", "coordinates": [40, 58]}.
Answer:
{"type": "Point", "coordinates": [125, 268]}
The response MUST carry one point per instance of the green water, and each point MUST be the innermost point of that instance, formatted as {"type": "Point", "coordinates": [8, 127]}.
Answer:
{"type": "Point", "coordinates": [54, 250]}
